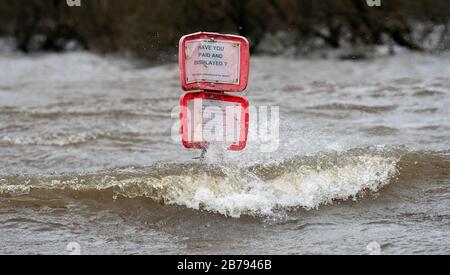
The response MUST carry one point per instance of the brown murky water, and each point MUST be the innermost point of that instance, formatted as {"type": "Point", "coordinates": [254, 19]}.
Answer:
{"type": "Point", "coordinates": [86, 156]}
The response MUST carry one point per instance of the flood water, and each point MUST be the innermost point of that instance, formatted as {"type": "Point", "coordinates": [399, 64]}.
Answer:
{"type": "Point", "coordinates": [86, 156]}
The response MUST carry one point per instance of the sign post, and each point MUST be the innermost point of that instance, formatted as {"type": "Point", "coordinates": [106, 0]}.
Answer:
{"type": "Point", "coordinates": [212, 64]}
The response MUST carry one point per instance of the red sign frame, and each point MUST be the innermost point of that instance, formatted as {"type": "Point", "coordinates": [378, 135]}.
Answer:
{"type": "Point", "coordinates": [214, 86]}
{"type": "Point", "coordinates": [220, 97]}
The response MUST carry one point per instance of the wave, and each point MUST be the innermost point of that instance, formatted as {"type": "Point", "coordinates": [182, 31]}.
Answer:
{"type": "Point", "coordinates": [60, 139]}
{"type": "Point", "coordinates": [302, 182]}
{"type": "Point", "coordinates": [75, 114]}
{"type": "Point", "coordinates": [353, 107]}
{"type": "Point", "coordinates": [56, 139]}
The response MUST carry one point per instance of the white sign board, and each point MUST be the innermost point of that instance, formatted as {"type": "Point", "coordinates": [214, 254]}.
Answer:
{"type": "Point", "coordinates": [212, 61]}
{"type": "Point", "coordinates": [214, 121]}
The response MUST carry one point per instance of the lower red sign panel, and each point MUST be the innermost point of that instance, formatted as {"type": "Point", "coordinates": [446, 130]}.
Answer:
{"type": "Point", "coordinates": [214, 118]}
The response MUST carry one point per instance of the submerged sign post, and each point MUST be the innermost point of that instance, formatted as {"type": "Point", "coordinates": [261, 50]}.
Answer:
{"type": "Point", "coordinates": [212, 64]}
{"type": "Point", "coordinates": [214, 118]}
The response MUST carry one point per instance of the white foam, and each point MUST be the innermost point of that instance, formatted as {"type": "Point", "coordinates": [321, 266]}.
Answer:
{"type": "Point", "coordinates": [55, 139]}
{"type": "Point", "coordinates": [305, 187]}
{"type": "Point", "coordinates": [240, 191]}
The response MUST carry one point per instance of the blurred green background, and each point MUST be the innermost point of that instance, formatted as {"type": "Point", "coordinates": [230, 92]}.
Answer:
{"type": "Point", "coordinates": [150, 28]}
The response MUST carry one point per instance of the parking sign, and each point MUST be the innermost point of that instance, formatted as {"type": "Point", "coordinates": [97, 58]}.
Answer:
{"type": "Point", "coordinates": [214, 62]}
{"type": "Point", "coordinates": [218, 118]}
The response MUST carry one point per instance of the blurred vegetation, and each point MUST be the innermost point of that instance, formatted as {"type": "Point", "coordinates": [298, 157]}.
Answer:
{"type": "Point", "coordinates": [151, 27]}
